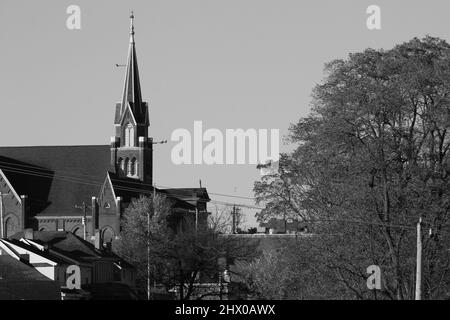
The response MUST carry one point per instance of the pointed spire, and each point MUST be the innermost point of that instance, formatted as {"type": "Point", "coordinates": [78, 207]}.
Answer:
{"type": "Point", "coordinates": [132, 86]}
{"type": "Point", "coordinates": [132, 27]}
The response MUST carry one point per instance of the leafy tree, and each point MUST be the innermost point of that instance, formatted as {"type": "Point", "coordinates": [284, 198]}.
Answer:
{"type": "Point", "coordinates": [295, 270]}
{"type": "Point", "coordinates": [370, 159]}
{"type": "Point", "coordinates": [179, 253]}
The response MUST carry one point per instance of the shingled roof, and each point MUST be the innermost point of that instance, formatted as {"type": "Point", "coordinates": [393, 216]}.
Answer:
{"type": "Point", "coordinates": [19, 281]}
{"type": "Point", "coordinates": [56, 178]}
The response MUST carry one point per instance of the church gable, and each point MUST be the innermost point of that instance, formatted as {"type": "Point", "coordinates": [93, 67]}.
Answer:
{"type": "Point", "coordinates": [127, 116]}
{"type": "Point", "coordinates": [11, 214]}
{"type": "Point", "coordinates": [107, 199]}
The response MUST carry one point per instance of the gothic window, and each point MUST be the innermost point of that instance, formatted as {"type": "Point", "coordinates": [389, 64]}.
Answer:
{"type": "Point", "coordinates": [127, 167]}
{"type": "Point", "coordinates": [133, 167]}
{"type": "Point", "coordinates": [129, 135]}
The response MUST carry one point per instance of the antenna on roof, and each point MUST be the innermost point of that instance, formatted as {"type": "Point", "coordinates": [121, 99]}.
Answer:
{"type": "Point", "coordinates": [200, 182]}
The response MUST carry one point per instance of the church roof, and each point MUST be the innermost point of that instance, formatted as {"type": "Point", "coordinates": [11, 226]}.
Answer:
{"type": "Point", "coordinates": [189, 195]}
{"type": "Point", "coordinates": [56, 178]}
{"type": "Point", "coordinates": [128, 188]}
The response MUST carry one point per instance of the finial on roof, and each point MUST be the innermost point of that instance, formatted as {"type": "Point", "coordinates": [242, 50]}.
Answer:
{"type": "Point", "coordinates": [132, 27]}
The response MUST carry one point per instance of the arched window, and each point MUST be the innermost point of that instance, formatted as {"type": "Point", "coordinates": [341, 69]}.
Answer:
{"type": "Point", "coordinates": [129, 135]}
{"type": "Point", "coordinates": [107, 236]}
{"type": "Point", "coordinates": [121, 165]}
{"type": "Point", "coordinates": [11, 225]}
{"type": "Point", "coordinates": [126, 168]}
{"type": "Point", "coordinates": [133, 170]}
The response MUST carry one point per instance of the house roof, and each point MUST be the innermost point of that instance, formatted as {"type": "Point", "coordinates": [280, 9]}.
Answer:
{"type": "Point", "coordinates": [64, 247]}
{"type": "Point", "coordinates": [19, 281]}
{"type": "Point", "coordinates": [56, 178]}
{"type": "Point", "coordinates": [13, 269]}
{"type": "Point", "coordinates": [67, 244]}
{"type": "Point", "coordinates": [34, 250]}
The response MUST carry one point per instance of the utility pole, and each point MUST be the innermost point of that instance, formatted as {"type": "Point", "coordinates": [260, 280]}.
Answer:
{"type": "Point", "coordinates": [148, 228]}
{"type": "Point", "coordinates": [196, 219]}
{"type": "Point", "coordinates": [419, 261]}
{"type": "Point", "coordinates": [148, 246]}
{"type": "Point", "coordinates": [84, 207]}
{"type": "Point", "coordinates": [233, 215]}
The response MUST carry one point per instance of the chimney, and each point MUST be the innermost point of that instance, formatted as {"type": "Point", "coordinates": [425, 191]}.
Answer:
{"type": "Point", "coordinates": [97, 241]}
{"type": "Point", "coordinates": [25, 257]}
{"type": "Point", "coordinates": [28, 234]}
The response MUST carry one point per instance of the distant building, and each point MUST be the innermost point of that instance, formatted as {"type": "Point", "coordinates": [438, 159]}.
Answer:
{"type": "Point", "coordinates": [279, 226]}
{"type": "Point", "coordinates": [85, 189]}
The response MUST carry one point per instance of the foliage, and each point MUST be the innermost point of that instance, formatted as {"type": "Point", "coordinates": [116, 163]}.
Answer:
{"type": "Point", "coordinates": [370, 159]}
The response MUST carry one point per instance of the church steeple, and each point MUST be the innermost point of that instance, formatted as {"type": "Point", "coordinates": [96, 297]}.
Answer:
{"type": "Point", "coordinates": [131, 94]}
{"type": "Point", "coordinates": [131, 148]}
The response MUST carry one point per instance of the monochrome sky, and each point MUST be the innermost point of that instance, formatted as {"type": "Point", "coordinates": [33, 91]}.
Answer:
{"type": "Point", "coordinates": [229, 63]}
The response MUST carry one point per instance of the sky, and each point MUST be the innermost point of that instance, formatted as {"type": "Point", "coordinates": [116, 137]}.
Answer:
{"type": "Point", "coordinates": [228, 63]}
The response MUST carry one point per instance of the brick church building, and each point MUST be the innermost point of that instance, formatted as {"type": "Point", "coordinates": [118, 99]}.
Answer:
{"type": "Point", "coordinates": [85, 189]}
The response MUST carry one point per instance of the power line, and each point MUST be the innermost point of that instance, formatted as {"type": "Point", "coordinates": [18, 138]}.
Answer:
{"type": "Point", "coordinates": [144, 191]}
{"type": "Point", "coordinates": [81, 176]}
{"type": "Point", "coordinates": [99, 183]}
